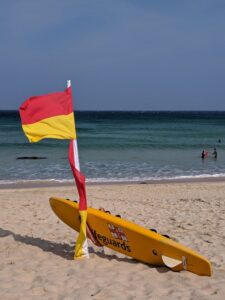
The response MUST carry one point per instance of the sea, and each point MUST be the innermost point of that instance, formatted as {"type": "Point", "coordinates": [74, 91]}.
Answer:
{"type": "Point", "coordinates": [118, 146]}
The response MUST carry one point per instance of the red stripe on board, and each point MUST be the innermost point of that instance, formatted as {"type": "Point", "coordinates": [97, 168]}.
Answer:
{"type": "Point", "coordinates": [37, 108]}
{"type": "Point", "coordinates": [79, 179]}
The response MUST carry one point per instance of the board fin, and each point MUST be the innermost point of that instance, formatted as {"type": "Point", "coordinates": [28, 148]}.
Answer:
{"type": "Point", "coordinates": [171, 262]}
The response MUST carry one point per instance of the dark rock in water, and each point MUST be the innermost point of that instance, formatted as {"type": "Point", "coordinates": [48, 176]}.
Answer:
{"type": "Point", "coordinates": [31, 157]}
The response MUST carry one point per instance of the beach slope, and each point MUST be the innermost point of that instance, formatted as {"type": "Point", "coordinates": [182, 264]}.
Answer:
{"type": "Point", "coordinates": [36, 248]}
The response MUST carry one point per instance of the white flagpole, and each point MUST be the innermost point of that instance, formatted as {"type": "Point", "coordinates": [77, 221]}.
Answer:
{"type": "Point", "coordinates": [75, 147]}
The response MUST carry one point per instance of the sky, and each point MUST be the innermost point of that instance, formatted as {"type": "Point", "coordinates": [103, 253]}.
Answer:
{"type": "Point", "coordinates": [119, 54]}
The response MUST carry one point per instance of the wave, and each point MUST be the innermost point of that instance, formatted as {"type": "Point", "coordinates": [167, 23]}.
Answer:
{"type": "Point", "coordinates": [56, 182]}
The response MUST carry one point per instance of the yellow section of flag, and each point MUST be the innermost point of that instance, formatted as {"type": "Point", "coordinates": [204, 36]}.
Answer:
{"type": "Point", "coordinates": [81, 249]}
{"type": "Point", "coordinates": [57, 127]}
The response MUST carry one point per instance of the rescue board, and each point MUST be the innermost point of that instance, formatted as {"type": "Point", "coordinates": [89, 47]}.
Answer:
{"type": "Point", "coordinates": [132, 240]}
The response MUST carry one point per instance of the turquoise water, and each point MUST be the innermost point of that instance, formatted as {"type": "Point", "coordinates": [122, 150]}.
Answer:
{"type": "Point", "coordinates": [119, 146]}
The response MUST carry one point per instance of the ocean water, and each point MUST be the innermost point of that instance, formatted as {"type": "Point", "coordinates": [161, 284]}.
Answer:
{"type": "Point", "coordinates": [119, 146]}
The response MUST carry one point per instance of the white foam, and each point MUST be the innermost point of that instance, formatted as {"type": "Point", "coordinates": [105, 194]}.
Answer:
{"type": "Point", "coordinates": [113, 179]}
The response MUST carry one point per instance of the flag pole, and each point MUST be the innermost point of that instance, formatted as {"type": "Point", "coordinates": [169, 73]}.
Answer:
{"type": "Point", "coordinates": [75, 147]}
{"type": "Point", "coordinates": [81, 248]}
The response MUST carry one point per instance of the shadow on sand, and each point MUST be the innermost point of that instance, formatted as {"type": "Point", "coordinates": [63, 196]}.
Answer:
{"type": "Point", "coordinates": [66, 251]}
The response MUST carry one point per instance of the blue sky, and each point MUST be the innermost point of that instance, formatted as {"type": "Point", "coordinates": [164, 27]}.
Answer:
{"type": "Point", "coordinates": [119, 54]}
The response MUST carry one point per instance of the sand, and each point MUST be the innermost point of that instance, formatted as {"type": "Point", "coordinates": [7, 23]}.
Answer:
{"type": "Point", "coordinates": [36, 249]}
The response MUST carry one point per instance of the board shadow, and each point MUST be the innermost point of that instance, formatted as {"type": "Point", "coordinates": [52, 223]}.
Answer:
{"type": "Point", "coordinates": [66, 251]}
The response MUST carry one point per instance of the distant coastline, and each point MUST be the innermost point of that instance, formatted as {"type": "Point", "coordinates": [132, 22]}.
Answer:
{"type": "Point", "coordinates": [129, 111]}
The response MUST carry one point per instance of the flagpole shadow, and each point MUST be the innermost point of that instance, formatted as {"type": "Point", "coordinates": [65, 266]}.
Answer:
{"type": "Point", "coordinates": [61, 249]}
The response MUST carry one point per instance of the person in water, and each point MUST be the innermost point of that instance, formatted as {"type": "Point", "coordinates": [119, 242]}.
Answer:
{"type": "Point", "coordinates": [203, 154]}
{"type": "Point", "coordinates": [214, 153]}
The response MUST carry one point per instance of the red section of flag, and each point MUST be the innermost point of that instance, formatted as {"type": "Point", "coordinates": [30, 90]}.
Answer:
{"type": "Point", "coordinates": [79, 178]}
{"type": "Point", "coordinates": [37, 108]}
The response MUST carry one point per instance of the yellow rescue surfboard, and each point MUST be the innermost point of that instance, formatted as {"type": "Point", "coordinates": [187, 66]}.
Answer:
{"type": "Point", "coordinates": [133, 240]}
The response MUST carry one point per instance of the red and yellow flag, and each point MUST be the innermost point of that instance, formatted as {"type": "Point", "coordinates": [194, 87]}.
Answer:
{"type": "Point", "coordinates": [51, 116]}
{"type": "Point", "coordinates": [48, 116]}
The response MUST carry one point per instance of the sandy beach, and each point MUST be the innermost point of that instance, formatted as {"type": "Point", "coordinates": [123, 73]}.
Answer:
{"type": "Point", "coordinates": [36, 248]}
